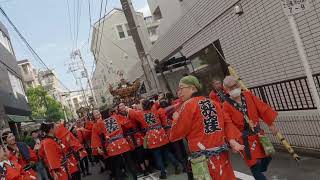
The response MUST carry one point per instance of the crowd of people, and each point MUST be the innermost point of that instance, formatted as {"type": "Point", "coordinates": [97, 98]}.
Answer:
{"type": "Point", "coordinates": [192, 133]}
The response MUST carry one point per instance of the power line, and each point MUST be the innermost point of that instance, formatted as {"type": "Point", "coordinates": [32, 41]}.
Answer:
{"type": "Point", "coordinates": [98, 29]}
{"type": "Point", "coordinates": [78, 20]}
{"type": "Point", "coordinates": [69, 16]}
{"type": "Point", "coordinates": [105, 10]}
{"type": "Point", "coordinates": [90, 19]}
{"type": "Point", "coordinates": [37, 57]}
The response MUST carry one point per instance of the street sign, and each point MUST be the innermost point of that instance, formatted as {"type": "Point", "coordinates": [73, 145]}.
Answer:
{"type": "Point", "coordinates": [292, 7]}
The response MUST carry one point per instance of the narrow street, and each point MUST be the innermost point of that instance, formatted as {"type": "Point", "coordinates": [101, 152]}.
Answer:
{"type": "Point", "coordinates": [282, 168]}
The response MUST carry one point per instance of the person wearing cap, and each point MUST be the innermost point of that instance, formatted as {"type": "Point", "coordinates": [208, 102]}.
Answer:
{"type": "Point", "coordinates": [22, 154]}
{"type": "Point", "coordinates": [71, 148]}
{"type": "Point", "coordinates": [209, 134]}
{"type": "Point", "coordinates": [10, 170]}
{"type": "Point", "coordinates": [245, 110]}
{"type": "Point", "coordinates": [52, 154]}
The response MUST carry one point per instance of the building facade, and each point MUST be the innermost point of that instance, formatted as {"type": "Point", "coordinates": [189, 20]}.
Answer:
{"type": "Point", "coordinates": [49, 81]}
{"type": "Point", "coordinates": [152, 27]}
{"type": "Point", "coordinates": [29, 74]}
{"type": "Point", "coordinates": [13, 100]}
{"type": "Point", "coordinates": [115, 52]}
{"type": "Point", "coordinates": [76, 99]}
{"type": "Point", "coordinates": [260, 45]}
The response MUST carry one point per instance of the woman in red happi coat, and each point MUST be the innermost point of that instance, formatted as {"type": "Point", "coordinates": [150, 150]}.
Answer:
{"type": "Point", "coordinates": [202, 122]}
{"type": "Point", "coordinates": [22, 154]}
{"type": "Point", "coordinates": [244, 102]}
{"type": "Point", "coordinates": [10, 170]}
{"type": "Point", "coordinates": [52, 154]}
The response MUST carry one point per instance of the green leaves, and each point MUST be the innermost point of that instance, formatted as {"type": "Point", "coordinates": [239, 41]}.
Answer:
{"type": "Point", "coordinates": [44, 106]}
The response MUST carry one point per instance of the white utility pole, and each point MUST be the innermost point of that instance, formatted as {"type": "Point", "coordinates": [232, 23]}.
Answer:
{"type": "Point", "coordinates": [78, 53]}
{"type": "Point", "coordinates": [294, 7]}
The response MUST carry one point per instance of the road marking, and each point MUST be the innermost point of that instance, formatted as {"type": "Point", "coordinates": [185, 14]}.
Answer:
{"type": "Point", "coordinates": [243, 176]}
{"type": "Point", "coordinates": [239, 175]}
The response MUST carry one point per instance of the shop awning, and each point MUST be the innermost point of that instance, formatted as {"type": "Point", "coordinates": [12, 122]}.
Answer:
{"type": "Point", "coordinates": [18, 119]}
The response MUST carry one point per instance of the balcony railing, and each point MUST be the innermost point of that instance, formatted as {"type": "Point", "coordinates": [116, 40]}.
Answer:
{"type": "Point", "coordinates": [288, 95]}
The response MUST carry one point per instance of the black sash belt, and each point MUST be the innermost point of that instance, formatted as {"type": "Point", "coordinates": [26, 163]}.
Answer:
{"type": "Point", "coordinates": [152, 128]}
{"type": "Point", "coordinates": [210, 152]}
{"type": "Point", "coordinates": [245, 138]}
{"type": "Point", "coordinates": [114, 138]}
{"type": "Point", "coordinates": [27, 167]}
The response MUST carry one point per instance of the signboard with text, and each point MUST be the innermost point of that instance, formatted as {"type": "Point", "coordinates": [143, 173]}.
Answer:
{"type": "Point", "coordinates": [292, 7]}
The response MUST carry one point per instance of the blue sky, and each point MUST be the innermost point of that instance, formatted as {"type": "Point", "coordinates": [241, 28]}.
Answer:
{"type": "Point", "coordinates": [45, 24]}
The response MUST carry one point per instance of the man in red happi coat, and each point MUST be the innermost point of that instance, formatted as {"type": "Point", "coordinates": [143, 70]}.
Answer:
{"type": "Point", "coordinates": [135, 138]}
{"type": "Point", "coordinates": [244, 103]}
{"type": "Point", "coordinates": [52, 154]}
{"type": "Point", "coordinates": [70, 147]}
{"type": "Point", "coordinates": [155, 136]}
{"type": "Point", "coordinates": [22, 154]}
{"type": "Point", "coordinates": [217, 93]}
{"type": "Point", "coordinates": [81, 133]}
{"type": "Point", "coordinates": [98, 140]}
{"type": "Point", "coordinates": [201, 121]}
{"type": "Point", "coordinates": [118, 147]}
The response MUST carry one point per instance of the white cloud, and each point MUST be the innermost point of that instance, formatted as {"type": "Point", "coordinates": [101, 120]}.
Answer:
{"type": "Point", "coordinates": [145, 10]}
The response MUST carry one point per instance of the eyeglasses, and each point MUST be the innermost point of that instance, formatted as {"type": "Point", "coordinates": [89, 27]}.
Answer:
{"type": "Point", "coordinates": [183, 87]}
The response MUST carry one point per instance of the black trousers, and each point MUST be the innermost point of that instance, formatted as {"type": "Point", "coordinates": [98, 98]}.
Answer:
{"type": "Point", "coordinates": [84, 165]}
{"type": "Point", "coordinates": [117, 163]}
{"type": "Point", "coordinates": [76, 176]}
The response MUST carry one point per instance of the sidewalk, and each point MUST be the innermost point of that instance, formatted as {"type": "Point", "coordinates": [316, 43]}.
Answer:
{"type": "Point", "coordinates": [283, 167]}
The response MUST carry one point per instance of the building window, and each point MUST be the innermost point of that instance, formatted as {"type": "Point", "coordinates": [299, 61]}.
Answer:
{"type": "Point", "coordinates": [121, 32]}
{"type": "Point", "coordinates": [128, 29]}
{"type": "Point", "coordinates": [152, 31]}
{"type": "Point", "coordinates": [4, 40]}
{"type": "Point", "coordinates": [25, 69]}
{"type": "Point", "coordinates": [16, 85]}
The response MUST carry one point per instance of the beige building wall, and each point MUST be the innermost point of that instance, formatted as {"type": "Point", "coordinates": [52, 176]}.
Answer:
{"type": "Point", "coordinates": [115, 55]}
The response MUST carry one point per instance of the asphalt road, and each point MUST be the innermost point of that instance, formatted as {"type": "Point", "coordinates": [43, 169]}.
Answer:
{"type": "Point", "coordinates": [282, 168]}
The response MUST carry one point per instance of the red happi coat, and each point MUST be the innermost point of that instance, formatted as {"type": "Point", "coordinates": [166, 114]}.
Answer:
{"type": "Point", "coordinates": [215, 97]}
{"type": "Point", "coordinates": [156, 137]}
{"type": "Point", "coordinates": [114, 130]}
{"type": "Point", "coordinates": [52, 155]}
{"type": "Point", "coordinates": [17, 157]}
{"type": "Point", "coordinates": [88, 126]}
{"type": "Point", "coordinates": [257, 109]}
{"type": "Point", "coordinates": [132, 132]}
{"type": "Point", "coordinates": [98, 130]}
{"type": "Point", "coordinates": [11, 170]}
{"type": "Point", "coordinates": [81, 136]}
{"type": "Point", "coordinates": [191, 122]}
{"type": "Point", "coordinates": [69, 145]}
{"type": "Point", "coordinates": [166, 121]}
